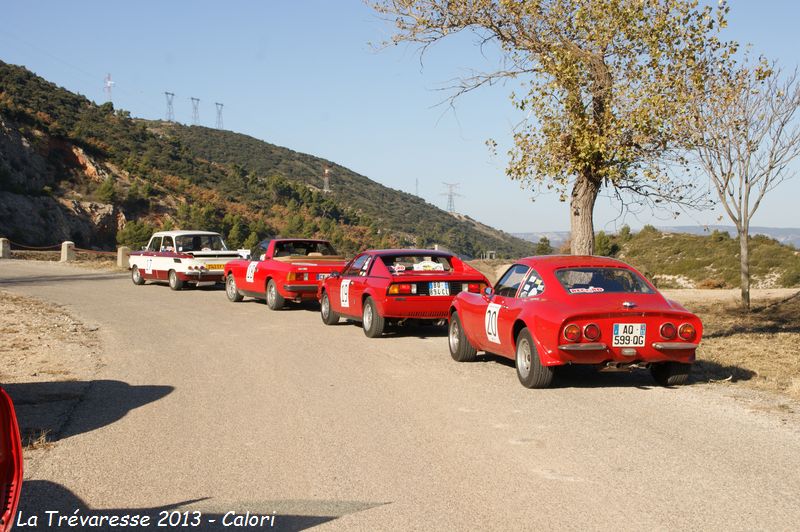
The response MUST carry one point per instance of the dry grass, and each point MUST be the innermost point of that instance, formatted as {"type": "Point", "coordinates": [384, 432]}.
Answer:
{"type": "Point", "coordinates": [34, 440]}
{"type": "Point", "coordinates": [761, 348]}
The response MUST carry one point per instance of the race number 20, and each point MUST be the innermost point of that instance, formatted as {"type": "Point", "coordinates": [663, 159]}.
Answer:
{"type": "Point", "coordinates": [490, 322]}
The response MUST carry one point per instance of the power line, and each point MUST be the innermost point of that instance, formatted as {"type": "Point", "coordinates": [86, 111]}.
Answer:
{"type": "Point", "coordinates": [170, 108]}
{"type": "Point", "coordinates": [195, 110]}
{"type": "Point", "coordinates": [219, 115]}
{"type": "Point", "coordinates": [451, 195]}
{"type": "Point", "coordinates": [107, 87]}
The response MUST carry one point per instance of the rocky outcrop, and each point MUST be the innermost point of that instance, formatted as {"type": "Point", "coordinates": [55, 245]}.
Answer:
{"type": "Point", "coordinates": [36, 173]}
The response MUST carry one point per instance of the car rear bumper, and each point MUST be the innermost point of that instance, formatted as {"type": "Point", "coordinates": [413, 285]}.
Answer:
{"type": "Point", "coordinates": [202, 276]}
{"type": "Point", "coordinates": [599, 353]}
{"type": "Point", "coordinates": [299, 291]}
{"type": "Point", "coordinates": [417, 307]}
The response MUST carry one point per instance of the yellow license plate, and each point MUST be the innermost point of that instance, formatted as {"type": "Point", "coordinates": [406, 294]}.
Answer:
{"type": "Point", "coordinates": [215, 266]}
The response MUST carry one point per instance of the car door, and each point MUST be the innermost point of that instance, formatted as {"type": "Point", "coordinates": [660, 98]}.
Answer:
{"type": "Point", "coordinates": [251, 278]}
{"type": "Point", "coordinates": [502, 308]}
{"type": "Point", "coordinates": [150, 270]}
{"type": "Point", "coordinates": [351, 286]}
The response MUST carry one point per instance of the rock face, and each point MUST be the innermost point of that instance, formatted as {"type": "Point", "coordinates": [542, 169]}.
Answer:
{"type": "Point", "coordinates": [37, 175]}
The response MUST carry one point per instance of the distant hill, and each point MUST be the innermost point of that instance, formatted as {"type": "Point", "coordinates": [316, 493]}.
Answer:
{"type": "Point", "coordinates": [71, 169]}
{"type": "Point", "coordinates": [784, 235]}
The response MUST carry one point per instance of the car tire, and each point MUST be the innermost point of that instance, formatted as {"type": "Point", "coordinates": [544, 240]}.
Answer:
{"type": "Point", "coordinates": [275, 300]}
{"type": "Point", "coordinates": [460, 348]}
{"type": "Point", "coordinates": [531, 372]}
{"type": "Point", "coordinates": [136, 276]}
{"type": "Point", "coordinates": [670, 373]}
{"type": "Point", "coordinates": [329, 316]}
{"type": "Point", "coordinates": [231, 289]}
{"type": "Point", "coordinates": [371, 319]}
{"type": "Point", "coordinates": [174, 282]}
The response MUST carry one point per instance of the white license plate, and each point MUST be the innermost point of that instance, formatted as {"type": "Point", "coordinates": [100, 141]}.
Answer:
{"type": "Point", "coordinates": [628, 335]}
{"type": "Point", "coordinates": [322, 276]}
{"type": "Point", "coordinates": [439, 289]}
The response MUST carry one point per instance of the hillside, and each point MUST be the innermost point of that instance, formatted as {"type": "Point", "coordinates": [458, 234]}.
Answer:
{"type": "Point", "coordinates": [70, 169]}
{"type": "Point", "coordinates": [680, 260]}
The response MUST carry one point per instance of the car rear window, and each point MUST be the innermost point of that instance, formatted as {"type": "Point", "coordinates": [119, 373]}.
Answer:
{"type": "Point", "coordinates": [596, 280]}
{"type": "Point", "coordinates": [412, 263]}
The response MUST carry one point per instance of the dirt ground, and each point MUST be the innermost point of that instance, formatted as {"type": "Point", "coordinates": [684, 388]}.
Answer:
{"type": "Point", "coordinates": [47, 354]}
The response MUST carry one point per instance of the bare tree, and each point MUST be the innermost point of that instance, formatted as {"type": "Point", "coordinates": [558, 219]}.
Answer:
{"type": "Point", "coordinates": [746, 132]}
{"type": "Point", "coordinates": [605, 82]}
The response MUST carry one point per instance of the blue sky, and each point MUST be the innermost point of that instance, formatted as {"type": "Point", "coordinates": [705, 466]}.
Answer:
{"type": "Point", "coordinates": [302, 74]}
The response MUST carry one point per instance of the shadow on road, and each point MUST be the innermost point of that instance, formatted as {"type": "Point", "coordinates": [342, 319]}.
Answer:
{"type": "Point", "coordinates": [40, 496]}
{"type": "Point", "coordinates": [50, 411]}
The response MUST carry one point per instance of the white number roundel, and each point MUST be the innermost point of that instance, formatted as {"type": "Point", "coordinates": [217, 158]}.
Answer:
{"type": "Point", "coordinates": [490, 322]}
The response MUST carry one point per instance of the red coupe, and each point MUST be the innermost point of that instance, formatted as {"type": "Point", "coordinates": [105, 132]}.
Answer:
{"type": "Point", "coordinates": [282, 269]}
{"type": "Point", "coordinates": [397, 284]}
{"type": "Point", "coordinates": [10, 462]}
{"type": "Point", "coordinates": [555, 310]}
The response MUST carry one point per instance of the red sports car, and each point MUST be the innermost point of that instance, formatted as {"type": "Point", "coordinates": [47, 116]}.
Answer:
{"type": "Point", "coordinates": [281, 269]}
{"type": "Point", "coordinates": [556, 310]}
{"type": "Point", "coordinates": [10, 462]}
{"type": "Point", "coordinates": [396, 284]}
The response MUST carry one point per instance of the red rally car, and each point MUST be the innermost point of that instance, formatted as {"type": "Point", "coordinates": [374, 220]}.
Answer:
{"type": "Point", "coordinates": [396, 284]}
{"type": "Point", "coordinates": [281, 269]}
{"type": "Point", "coordinates": [10, 462]}
{"type": "Point", "coordinates": [555, 310]}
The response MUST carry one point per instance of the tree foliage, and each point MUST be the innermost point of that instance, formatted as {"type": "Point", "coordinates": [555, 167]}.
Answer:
{"type": "Point", "coordinates": [746, 131]}
{"type": "Point", "coordinates": [604, 82]}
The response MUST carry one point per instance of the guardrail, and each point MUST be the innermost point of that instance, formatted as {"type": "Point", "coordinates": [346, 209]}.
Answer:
{"type": "Point", "coordinates": [68, 251]}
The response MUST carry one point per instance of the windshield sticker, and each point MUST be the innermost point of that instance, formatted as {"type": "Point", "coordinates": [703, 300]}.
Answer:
{"type": "Point", "coordinates": [429, 266]}
{"type": "Point", "coordinates": [590, 290]}
{"type": "Point", "coordinates": [397, 268]}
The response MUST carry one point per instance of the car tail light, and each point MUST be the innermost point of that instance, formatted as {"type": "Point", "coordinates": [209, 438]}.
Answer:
{"type": "Point", "coordinates": [686, 331]}
{"type": "Point", "coordinates": [591, 332]}
{"type": "Point", "coordinates": [297, 276]}
{"type": "Point", "coordinates": [668, 331]}
{"type": "Point", "coordinates": [475, 288]}
{"type": "Point", "coordinates": [402, 288]}
{"type": "Point", "coordinates": [572, 332]}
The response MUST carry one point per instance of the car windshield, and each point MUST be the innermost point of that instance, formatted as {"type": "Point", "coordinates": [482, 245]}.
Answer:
{"type": "Point", "coordinates": [596, 280]}
{"type": "Point", "coordinates": [200, 243]}
{"type": "Point", "coordinates": [304, 248]}
{"type": "Point", "coordinates": [416, 263]}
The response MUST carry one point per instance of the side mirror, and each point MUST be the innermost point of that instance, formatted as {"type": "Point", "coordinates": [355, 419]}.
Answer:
{"type": "Point", "coordinates": [488, 291]}
{"type": "Point", "coordinates": [335, 275]}
{"type": "Point", "coordinates": [144, 248]}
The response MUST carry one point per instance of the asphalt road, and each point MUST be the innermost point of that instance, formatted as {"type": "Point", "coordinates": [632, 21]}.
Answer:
{"type": "Point", "coordinates": [209, 406]}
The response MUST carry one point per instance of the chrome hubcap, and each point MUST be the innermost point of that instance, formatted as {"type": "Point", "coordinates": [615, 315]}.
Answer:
{"type": "Point", "coordinates": [367, 316]}
{"type": "Point", "coordinates": [454, 332]}
{"type": "Point", "coordinates": [325, 306]}
{"type": "Point", "coordinates": [271, 293]}
{"type": "Point", "coordinates": [524, 358]}
{"type": "Point", "coordinates": [231, 287]}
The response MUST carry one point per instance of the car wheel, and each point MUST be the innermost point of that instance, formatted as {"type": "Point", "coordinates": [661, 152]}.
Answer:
{"type": "Point", "coordinates": [275, 301]}
{"type": "Point", "coordinates": [670, 373]}
{"type": "Point", "coordinates": [531, 372]}
{"type": "Point", "coordinates": [372, 321]}
{"type": "Point", "coordinates": [329, 316]}
{"type": "Point", "coordinates": [174, 282]}
{"type": "Point", "coordinates": [231, 291]}
{"type": "Point", "coordinates": [460, 348]}
{"type": "Point", "coordinates": [136, 276]}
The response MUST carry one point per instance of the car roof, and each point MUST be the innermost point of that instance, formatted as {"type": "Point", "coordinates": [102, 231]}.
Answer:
{"type": "Point", "coordinates": [283, 239]}
{"type": "Point", "coordinates": [384, 252]}
{"type": "Point", "coordinates": [555, 262]}
{"type": "Point", "coordinates": [184, 233]}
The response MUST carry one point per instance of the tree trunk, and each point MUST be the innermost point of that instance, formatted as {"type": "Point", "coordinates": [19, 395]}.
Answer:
{"type": "Point", "coordinates": [581, 209]}
{"type": "Point", "coordinates": [744, 260]}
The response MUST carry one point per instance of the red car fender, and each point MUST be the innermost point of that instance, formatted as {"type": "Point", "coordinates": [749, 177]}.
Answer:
{"type": "Point", "coordinates": [456, 307]}
{"type": "Point", "coordinates": [10, 462]}
{"type": "Point", "coordinates": [380, 301]}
